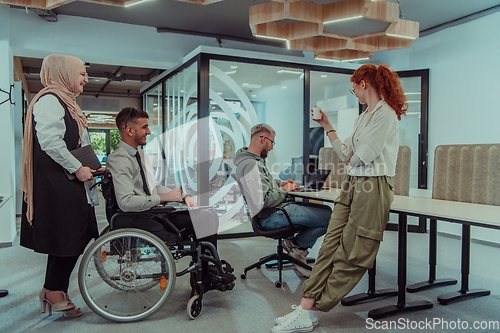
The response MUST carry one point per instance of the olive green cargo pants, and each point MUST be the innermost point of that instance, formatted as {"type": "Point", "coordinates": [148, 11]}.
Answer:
{"type": "Point", "coordinates": [352, 241]}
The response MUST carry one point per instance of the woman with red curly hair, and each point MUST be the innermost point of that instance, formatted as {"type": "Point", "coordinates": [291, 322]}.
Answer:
{"type": "Point", "coordinates": [361, 211]}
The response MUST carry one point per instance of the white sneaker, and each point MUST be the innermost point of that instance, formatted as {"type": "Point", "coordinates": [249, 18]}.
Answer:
{"type": "Point", "coordinates": [296, 322]}
{"type": "Point", "coordinates": [301, 255]}
{"type": "Point", "coordinates": [314, 317]}
{"type": "Point", "coordinates": [289, 246]}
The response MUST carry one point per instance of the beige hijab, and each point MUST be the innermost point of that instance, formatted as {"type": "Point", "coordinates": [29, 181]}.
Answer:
{"type": "Point", "coordinates": [59, 75]}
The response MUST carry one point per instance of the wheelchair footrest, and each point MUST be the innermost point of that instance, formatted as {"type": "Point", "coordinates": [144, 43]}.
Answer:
{"type": "Point", "coordinates": [221, 283]}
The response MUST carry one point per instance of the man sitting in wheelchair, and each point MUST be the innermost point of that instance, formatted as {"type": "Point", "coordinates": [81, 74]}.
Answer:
{"type": "Point", "coordinates": [137, 190]}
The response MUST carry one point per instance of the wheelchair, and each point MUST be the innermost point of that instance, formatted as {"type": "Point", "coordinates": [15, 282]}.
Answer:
{"type": "Point", "coordinates": [128, 274]}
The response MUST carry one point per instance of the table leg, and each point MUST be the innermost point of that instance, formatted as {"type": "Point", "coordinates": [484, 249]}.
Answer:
{"type": "Point", "coordinates": [371, 293]}
{"type": "Point", "coordinates": [464, 292]}
{"type": "Point", "coordinates": [432, 282]}
{"type": "Point", "coordinates": [401, 305]}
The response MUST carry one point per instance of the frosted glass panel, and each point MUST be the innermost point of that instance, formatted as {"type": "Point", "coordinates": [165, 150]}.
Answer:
{"type": "Point", "coordinates": [241, 96]}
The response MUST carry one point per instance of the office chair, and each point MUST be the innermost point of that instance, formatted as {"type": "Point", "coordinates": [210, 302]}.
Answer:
{"type": "Point", "coordinates": [278, 234]}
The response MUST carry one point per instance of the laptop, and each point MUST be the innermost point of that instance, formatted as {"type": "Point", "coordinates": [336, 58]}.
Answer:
{"type": "Point", "coordinates": [316, 181]}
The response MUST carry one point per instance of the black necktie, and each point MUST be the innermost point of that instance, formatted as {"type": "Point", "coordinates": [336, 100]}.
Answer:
{"type": "Point", "coordinates": [143, 176]}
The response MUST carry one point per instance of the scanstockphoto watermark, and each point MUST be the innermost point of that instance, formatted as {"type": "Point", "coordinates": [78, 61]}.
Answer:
{"type": "Point", "coordinates": [432, 324]}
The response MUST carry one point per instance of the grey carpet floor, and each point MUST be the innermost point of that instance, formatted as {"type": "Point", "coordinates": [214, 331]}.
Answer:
{"type": "Point", "coordinates": [255, 302]}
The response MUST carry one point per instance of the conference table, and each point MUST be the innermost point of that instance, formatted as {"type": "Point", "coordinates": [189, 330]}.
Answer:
{"type": "Point", "coordinates": [466, 214]}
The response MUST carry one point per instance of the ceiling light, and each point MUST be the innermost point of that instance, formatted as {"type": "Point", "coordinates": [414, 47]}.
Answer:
{"type": "Point", "coordinates": [155, 104]}
{"type": "Point", "coordinates": [132, 2]}
{"type": "Point", "coordinates": [284, 87]}
{"type": "Point", "coordinates": [254, 95]}
{"type": "Point", "coordinates": [269, 37]}
{"type": "Point", "coordinates": [324, 75]}
{"type": "Point", "coordinates": [247, 85]}
{"type": "Point", "coordinates": [281, 71]}
{"type": "Point", "coordinates": [230, 72]}
{"type": "Point", "coordinates": [97, 80]}
{"type": "Point", "coordinates": [87, 65]}
{"type": "Point", "coordinates": [327, 59]}
{"type": "Point", "coordinates": [219, 93]}
{"type": "Point", "coordinates": [234, 66]}
{"type": "Point", "coordinates": [344, 19]}
{"type": "Point", "coordinates": [359, 59]}
{"type": "Point", "coordinates": [401, 36]}
{"type": "Point", "coordinates": [413, 93]}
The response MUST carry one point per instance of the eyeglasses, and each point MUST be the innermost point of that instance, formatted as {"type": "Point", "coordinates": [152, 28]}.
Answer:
{"type": "Point", "coordinates": [130, 111]}
{"type": "Point", "coordinates": [86, 75]}
{"type": "Point", "coordinates": [272, 142]}
{"type": "Point", "coordinates": [353, 91]}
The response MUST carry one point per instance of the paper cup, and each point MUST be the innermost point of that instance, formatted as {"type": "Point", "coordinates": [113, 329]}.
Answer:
{"type": "Point", "coordinates": [316, 114]}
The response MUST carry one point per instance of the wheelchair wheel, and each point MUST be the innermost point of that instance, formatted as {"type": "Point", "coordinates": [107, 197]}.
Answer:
{"type": "Point", "coordinates": [104, 231]}
{"type": "Point", "coordinates": [126, 275]}
{"type": "Point", "coordinates": [194, 307]}
{"type": "Point", "coordinates": [100, 258]}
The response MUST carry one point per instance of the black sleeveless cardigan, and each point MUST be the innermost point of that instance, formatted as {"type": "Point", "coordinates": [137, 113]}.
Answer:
{"type": "Point", "coordinates": [63, 221]}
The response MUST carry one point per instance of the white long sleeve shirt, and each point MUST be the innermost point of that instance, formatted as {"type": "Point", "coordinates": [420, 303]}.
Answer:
{"type": "Point", "coordinates": [375, 141]}
{"type": "Point", "coordinates": [50, 129]}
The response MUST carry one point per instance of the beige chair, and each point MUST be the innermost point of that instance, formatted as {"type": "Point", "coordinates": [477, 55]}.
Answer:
{"type": "Point", "coordinates": [462, 173]}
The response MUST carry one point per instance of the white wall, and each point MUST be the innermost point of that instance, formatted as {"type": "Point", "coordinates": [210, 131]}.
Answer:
{"type": "Point", "coordinates": [7, 162]}
{"type": "Point", "coordinates": [102, 42]}
{"type": "Point", "coordinates": [464, 73]}
{"type": "Point", "coordinates": [284, 113]}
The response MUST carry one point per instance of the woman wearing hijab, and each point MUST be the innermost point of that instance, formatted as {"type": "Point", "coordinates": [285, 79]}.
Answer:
{"type": "Point", "coordinates": [58, 210]}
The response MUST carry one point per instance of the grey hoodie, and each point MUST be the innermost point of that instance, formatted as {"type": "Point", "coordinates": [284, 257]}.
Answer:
{"type": "Point", "coordinates": [259, 187]}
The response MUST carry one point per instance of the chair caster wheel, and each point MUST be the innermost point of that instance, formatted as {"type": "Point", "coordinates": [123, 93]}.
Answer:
{"type": "Point", "coordinates": [277, 284]}
{"type": "Point", "coordinates": [194, 307]}
{"type": "Point", "coordinates": [243, 276]}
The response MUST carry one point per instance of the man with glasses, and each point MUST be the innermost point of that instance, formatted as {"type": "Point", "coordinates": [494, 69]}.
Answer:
{"type": "Point", "coordinates": [263, 191]}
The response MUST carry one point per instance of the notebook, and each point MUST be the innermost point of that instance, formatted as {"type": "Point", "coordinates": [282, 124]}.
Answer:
{"type": "Point", "coordinates": [316, 181]}
{"type": "Point", "coordinates": [86, 155]}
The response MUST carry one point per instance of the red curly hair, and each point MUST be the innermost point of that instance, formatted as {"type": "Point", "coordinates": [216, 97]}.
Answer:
{"type": "Point", "coordinates": [386, 83]}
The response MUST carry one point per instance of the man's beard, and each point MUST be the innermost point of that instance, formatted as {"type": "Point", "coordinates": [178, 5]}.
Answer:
{"type": "Point", "coordinates": [263, 153]}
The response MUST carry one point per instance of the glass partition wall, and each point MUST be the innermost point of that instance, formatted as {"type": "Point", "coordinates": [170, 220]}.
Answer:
{"type": "Point", "coordinates": [202, 112]}
{"type": "Point", "coordinates": [241, 96]}
{"type": "Point", "coordinates": [153, 106]}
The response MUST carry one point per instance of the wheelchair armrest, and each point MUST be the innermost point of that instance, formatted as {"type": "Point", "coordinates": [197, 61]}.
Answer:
{"type": "Point", "coordinates": [162, 210]}
{"type": "Point", "coordinates": [155, 212]}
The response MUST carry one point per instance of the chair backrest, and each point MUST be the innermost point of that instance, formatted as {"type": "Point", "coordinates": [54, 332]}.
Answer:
{"type": "Point", "coordinates": [467, 173]}
{"type": "Point", "coordinates": [328, 159]}
{"type": "Point", "coordinates": [401, 179]}
{"type": "Point", "coordinates": [108, 192]}
{"type": "Point", "coordinates": [275, 234]}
